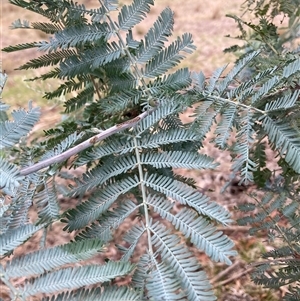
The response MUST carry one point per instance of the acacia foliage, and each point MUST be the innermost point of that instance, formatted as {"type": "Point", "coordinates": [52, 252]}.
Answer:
{"type": "Point", "coordinates": [123, 126]}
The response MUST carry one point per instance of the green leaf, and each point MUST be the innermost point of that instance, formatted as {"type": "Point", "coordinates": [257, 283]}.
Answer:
{"type": "Point", "coordinates": [76, 277]}
{"type": "Point", "coordinates": [285, 139]}
{"type": "Point", "coordinates": [98, 204]}
{"type": "Point", "coordinates": [10, 178]}
{"type": "Point", "coordinates": [133, 14]}
{"type": "Point", "coordinates": [155, 37]}
{"type": "Point", "coordinates": [178, 159]}
{"type": "Point", "coordinates": [110, 221]}
{"type": "Point", "coordinates": [49, 59]}
{"type": "Point", "coordinates": [200, 231]}
{"type": "Point", "coordinates": [161, 282]}
{"type": "Point", "coordinates": [111, 293]}
{"type": "Point", "coordinates": [12, 131]}
{"type": "Point", "coordinates": [187, 196]}
{"type": "Point", "coordinates": [48, 259]}
{"type": "Point", "coordinates": [169, 57]}
{"type": "Point", "coordinates": [13, 238]}
{"type": "Point", "coordinates": [184, 264]}
{"type": "Point", "coordinates": [77, 36]}
{"type": "Point", "coordinates": [102, 173]}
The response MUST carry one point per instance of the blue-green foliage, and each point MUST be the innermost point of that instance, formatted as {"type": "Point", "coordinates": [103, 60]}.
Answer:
{"type": "Point", "coordinates": [131, 174]}
{"type": "Point", "coordinates": [274, 210]}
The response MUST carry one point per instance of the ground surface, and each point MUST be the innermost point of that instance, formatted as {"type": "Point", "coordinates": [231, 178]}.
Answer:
{"type": "Point", "coordinates": [207, 22]}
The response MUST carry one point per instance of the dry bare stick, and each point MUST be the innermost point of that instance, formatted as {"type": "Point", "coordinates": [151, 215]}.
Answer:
{"type": "Point", "coordinates": [85, 144]}
{"type": "Point", "coordinates": [236, 276]}
{"type": "Point", "coordinates": [225, 272]}
{"type": "Point", "coordinates": [235, 228]}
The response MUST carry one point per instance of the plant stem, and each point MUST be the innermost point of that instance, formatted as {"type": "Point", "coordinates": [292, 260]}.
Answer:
{"type": "Point", "coordinates": [145, 91]}
{"type": "Point", "coordinates": [95, 86]}
{"type": "Point", "coordinates": [16, 293]}
{"type": "Point", "coordinates": [84, 145]}
{"type": "Point", "coordinates": [144, 195]}
{"type": "Point", "coordinates": [212, 97]}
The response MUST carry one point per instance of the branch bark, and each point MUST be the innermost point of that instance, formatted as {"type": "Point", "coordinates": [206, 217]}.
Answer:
{"type": "Point", "coordinates": [85, 144]}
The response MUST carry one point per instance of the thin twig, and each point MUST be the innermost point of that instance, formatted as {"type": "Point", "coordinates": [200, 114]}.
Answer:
{"type": "Point", "coordinates": [95, 86]}
{"type": "Point", "coordinates": [249, 107]}
{"type": "Point", "coordinates": [85, 144]}
{"type": "Point", "coordinates": [144, 196]}
{"type": "Point", "coordinates": [225, 272]}
{"type": "Point", "coordinates": [16, 294]}
{"type": "Point", "coordinates": [235, 228]}
{"type": "Point", "coordinates": [234, 277]}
